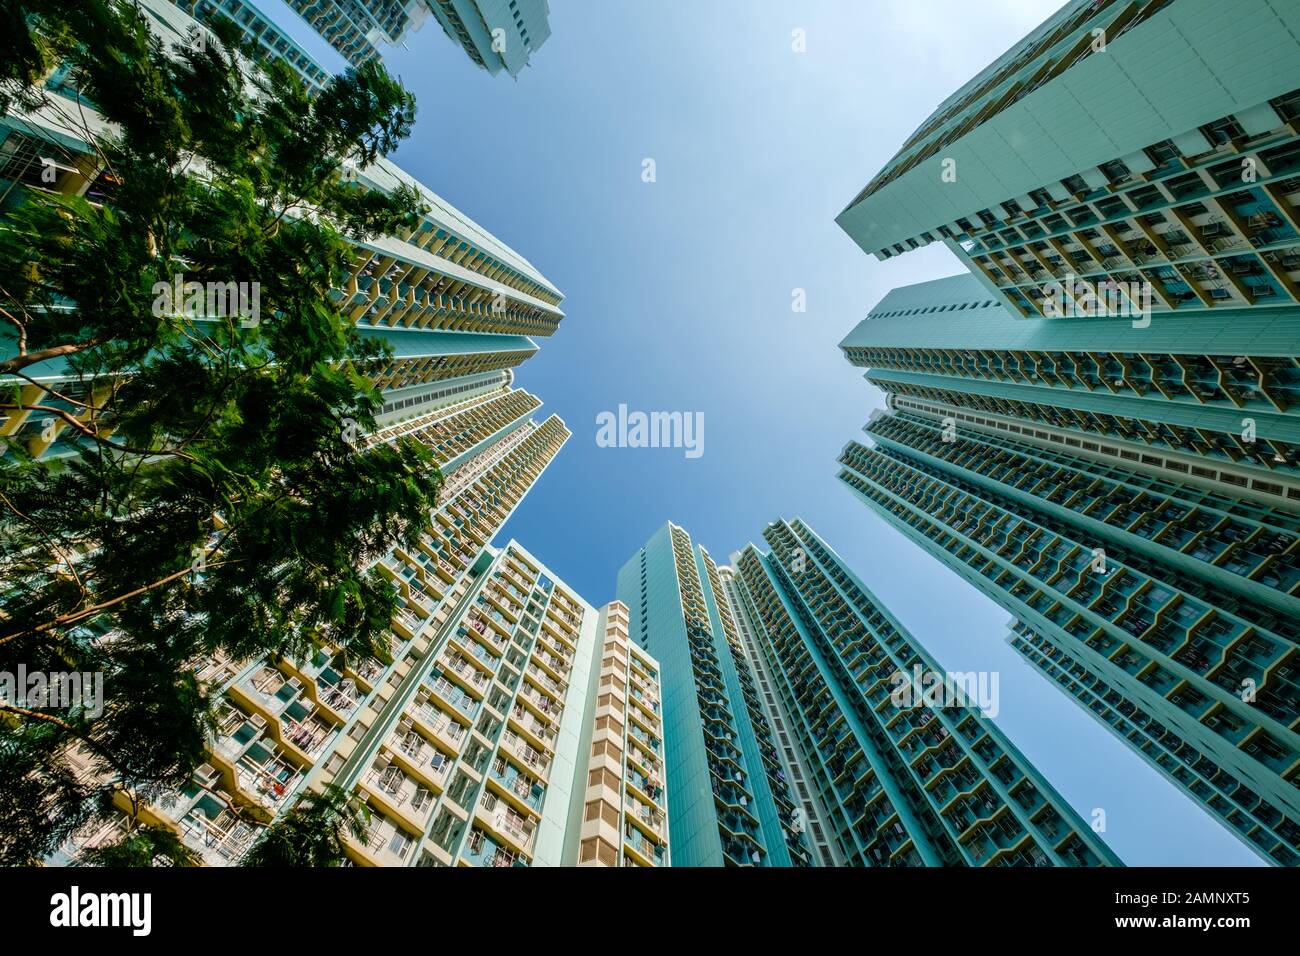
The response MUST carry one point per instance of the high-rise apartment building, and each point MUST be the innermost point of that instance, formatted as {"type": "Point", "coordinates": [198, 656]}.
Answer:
{"type": "Point", "coordinates": [355, 28]}
{"type": "Point", "coordinates": [452, 301]}
{"type": "Point", "coordinates": [1130, 526]}
{"type": "Point", "coordinates": [1123, 481]}
{"type": "Point", "coordinates": [787, 743]}
{"type": "Point", "coordinates": [268, 39]}
{"type": "Point", "coordinates": [728, 799]}
{"type": "Point", "coordinates": [902, 765]}
{"type": "Point", "coordinates": [283, 725]}
{"type": "Point", "coordinates": [1198, 398]}
{"type": "Point", "coordinates": [808, 816]}
{"type": "Point", "coordinates": [511, 725]}
{"type": "Point", "coordinates": [1151, 142]}
{"type": "Point", "coordinates": [467, 737]}
{"type": "Point", "coordinates": [496, 34]}
{"type": "Point", "coordinates": [625, 805]}
{"type": "Point", "coordinates": [1216, 790]}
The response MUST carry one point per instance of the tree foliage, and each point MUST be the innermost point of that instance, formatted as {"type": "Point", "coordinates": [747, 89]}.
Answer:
{"type": "Point", "coordinates": [212, 503]}
{"type": "Point", "coordinates": [311, 833]}
{"type": "Point", "coordinates": [143, 846]}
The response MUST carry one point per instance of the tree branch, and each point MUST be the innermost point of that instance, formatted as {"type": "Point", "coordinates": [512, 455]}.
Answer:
{"type": "Point", "coordinates": [25, 359]}
{"type": "Point", "coordinates": [64, 725]}
{"type": "Point", "coordinates": [48, 540]}
{"type": "Point", "coordinates": [59, 395]}
{"type": "Point", "coordinates": [75, 617]}
{"type": "Point", "coordinates": [93, 433]}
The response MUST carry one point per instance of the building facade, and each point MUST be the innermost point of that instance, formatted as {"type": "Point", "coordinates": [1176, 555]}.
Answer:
{"type": "Point", "coordinates": [504, 711]}
{"type": "Point", "coordinates": [808, 817]}
{"type": "Point", "coordinates": [1152, 143]}
{"type": "Point", "coordinates": [625, 806]}
{"type": "Point", "coordinates": [1203, 399]}
{"type": "Point", "coordinates": [1174, 576]}
{"type": "Point", "coordinates": [1117, 471]}
{"type": "Point", "coordinates": [901, 775]}
{"type": "Point", "coordinates": [728, 800]}
{"type": "Point", "coordinates": [496, 34]}
{"type": "Point", "coordinates": [269, 40]}
{"type": "Point", "coordinates": [452, 302]}
{"type": "Point", "coordinates": [1217, 790]}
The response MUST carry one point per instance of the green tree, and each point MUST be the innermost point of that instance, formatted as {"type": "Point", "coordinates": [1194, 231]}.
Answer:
{"type": "Point", "coordinates": [311, 833]}
{"type": "Point", "coordinates": [143, 846]}
{"type": "Point", "coordinates": [215, 503]}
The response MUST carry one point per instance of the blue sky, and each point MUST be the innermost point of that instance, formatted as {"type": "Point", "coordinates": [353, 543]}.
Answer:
{"type": "Point", "coordinates": [678, 297]}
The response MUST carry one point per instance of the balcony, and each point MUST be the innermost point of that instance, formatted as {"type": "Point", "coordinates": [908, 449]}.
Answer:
{"type": "Point", "coordinates": [544, 681]}
{"type": "Point", "coordinates": [650, 742]}
{"type": "Point", "coordinates": [369, 670]}
{"type": "Point", "coordinates": [481, 850]}
{"type": "Point", "coordinates": [338, 693]}
{"type": "Point", "coordinates": [271, 690]}
{"type": "Point", "coordinates": [651, 819]}
{"type": "Point", "coordinates": [649, 787]}
{"type": "Point", "coordinates": [546, 705]}
{"type": "Point", "coordinates": [516, 784]}
{"type": "Point", "coordinates": [440, 724]}
{"type": "Point", "coordinates": [996, 838]}
{"type": "Point", "coordinates": [532, 758]}
{"type": "Point", "coordinates": [453, 696]}
{"type": "Point", "coordinates": [387, 844]}
{"type": "Point", "coordinates": [736, 853]}
{"type": "Point", "coordinates": [214, 671]}
{"type": "Point", "coordinates": [236, 731]}
{"type": "Point", "coordinates": [650, 851]}
{"type": "Point", "coordinates": [418, 755]}
{"type": "Point", "coordinates": [399, 791]}
{"type": "Point", "coordinates": [264, 774]}
{"type": "Point", "coordinates": [209, 824]}
{"type": "Point", "coordinates": [303, 728]}
{"type": "Point", "coordinates": [474, 647]}
{"type": "Point", "coordinates": [515, 830]}
{"type": "Point", "coordinates": [541, 731]}
{"type": "Point", "coordinates": [643, 762]}
{"type": "Point", "coordinates": [462, 672]}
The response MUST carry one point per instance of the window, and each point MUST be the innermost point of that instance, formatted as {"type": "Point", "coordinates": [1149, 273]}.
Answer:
{"type": "Point", "coordinates": [606, 853]}
{"type": "Point", "coordinates": [601, 777]}
{"type": "Point", "coordinates": [1163, 153]}
{"type": "Point", "coordinates": [609, 749]}
{"type": "Point", "coordinates": [607, 722]}
{"type": "Point", "coordinates": [1223, 131]}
